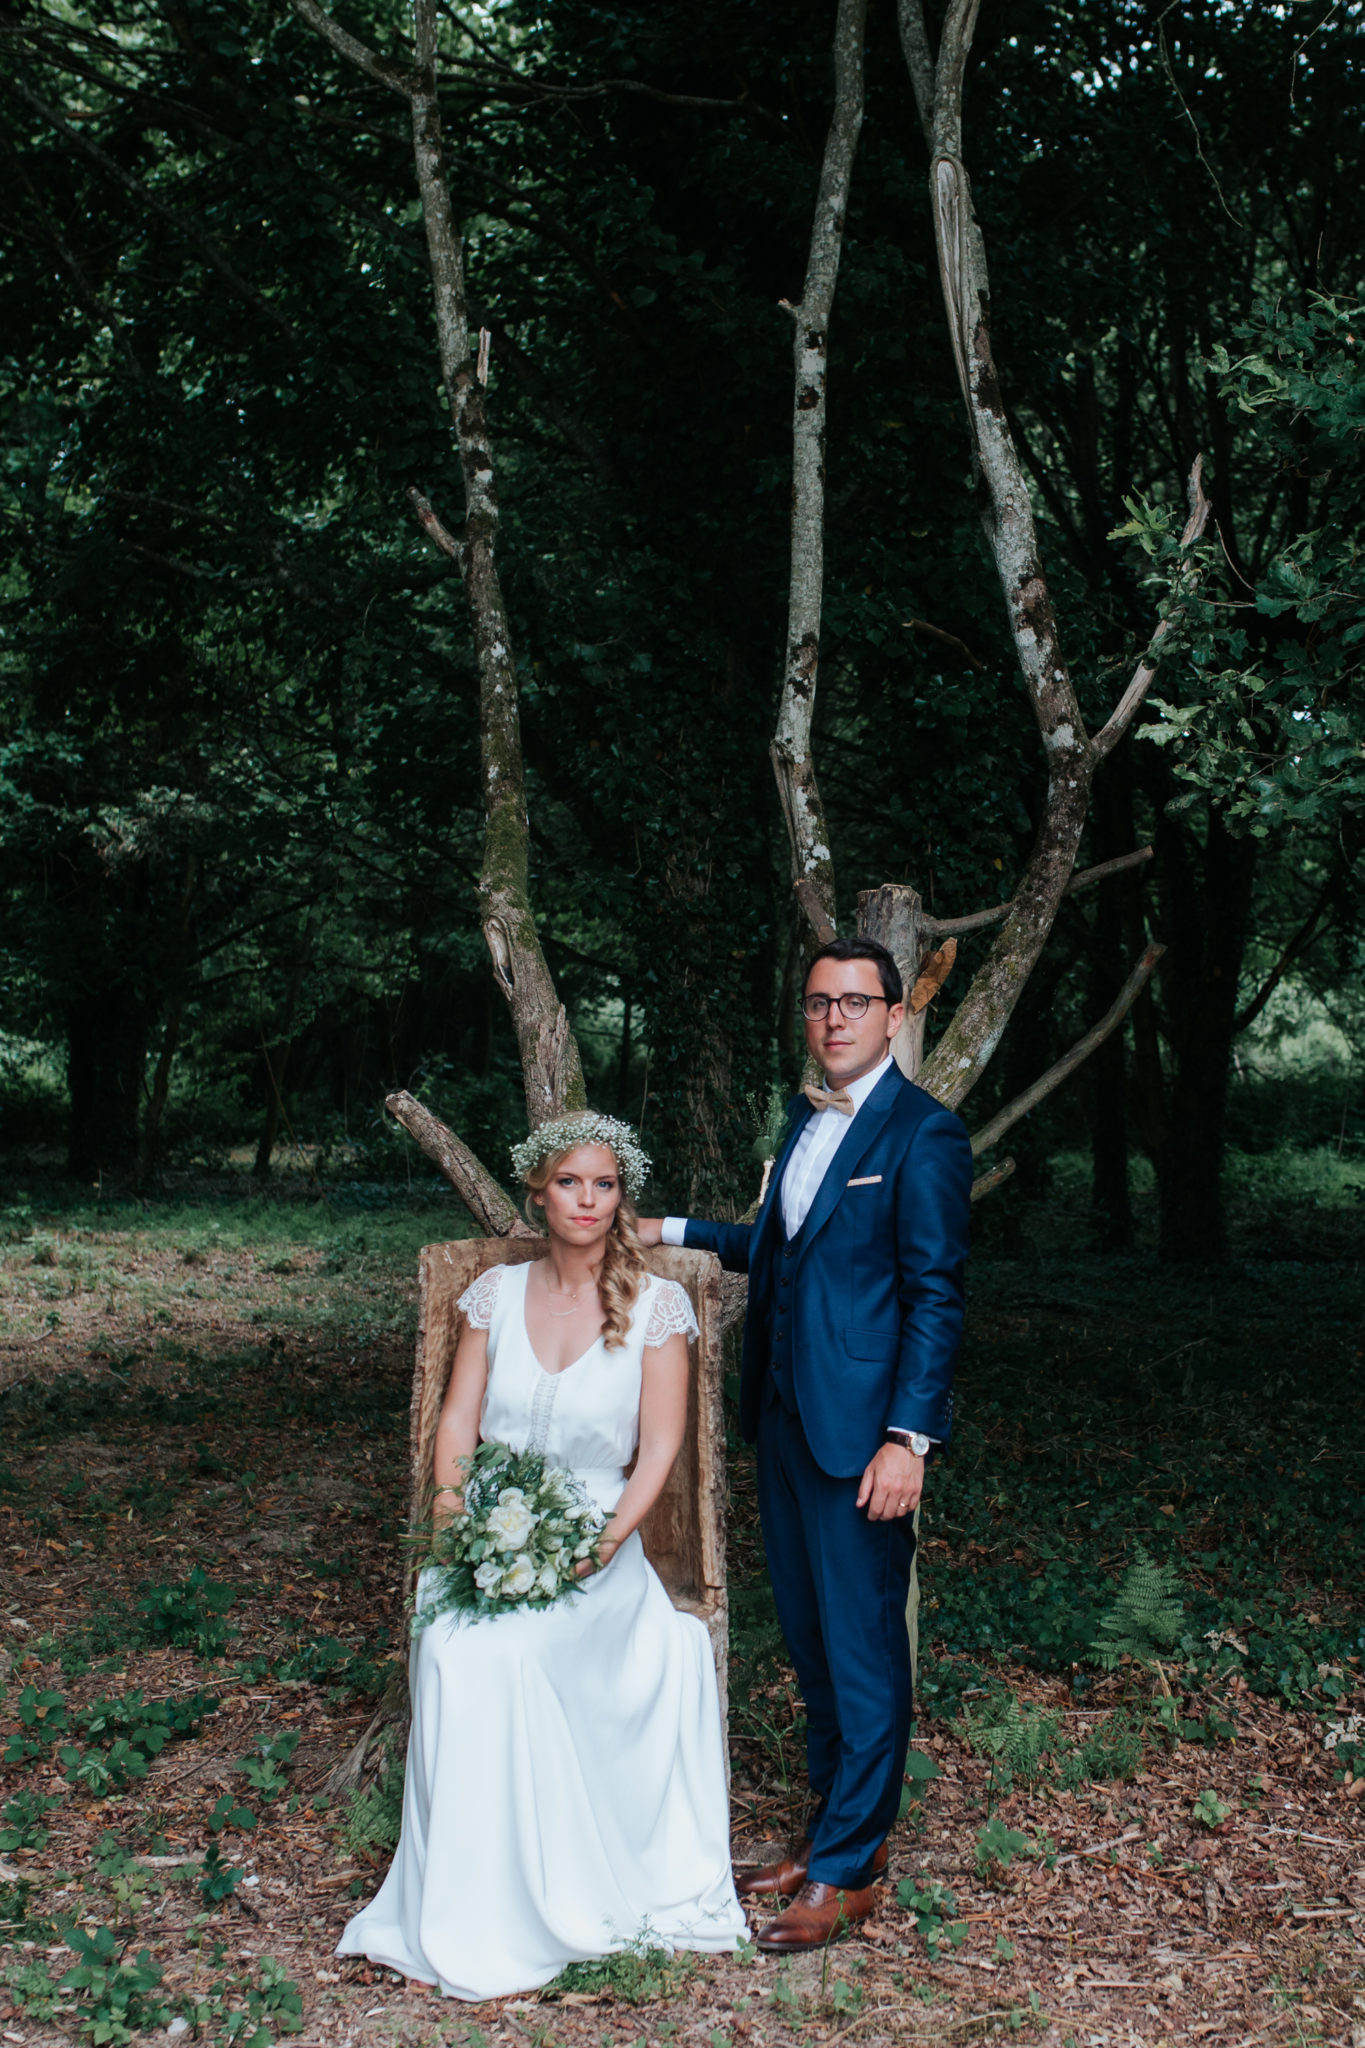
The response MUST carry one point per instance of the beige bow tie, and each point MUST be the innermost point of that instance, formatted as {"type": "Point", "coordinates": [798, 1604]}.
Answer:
{"type": "Point", "coordinates": [829, 1098]}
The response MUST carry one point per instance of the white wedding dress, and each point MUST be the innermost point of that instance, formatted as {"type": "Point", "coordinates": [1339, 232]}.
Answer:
{"type": "Point", "coordinates": [565, 1789]}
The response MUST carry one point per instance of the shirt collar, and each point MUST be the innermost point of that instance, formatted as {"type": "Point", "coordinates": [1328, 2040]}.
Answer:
{"type": "Point", "coordinates": [863, 1086]}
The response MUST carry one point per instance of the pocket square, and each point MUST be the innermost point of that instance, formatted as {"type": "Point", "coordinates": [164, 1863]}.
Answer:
{"type": "Point", "coordinates": [869, 1180]}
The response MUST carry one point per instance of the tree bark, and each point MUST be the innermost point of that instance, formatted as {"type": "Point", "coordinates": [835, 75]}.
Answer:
{"type": "Point", "coordinates": [1199, 983]}
{"type": "Point", "coordinates": [552, 1072]}
{"type": "Point", "coordinates": [470, 1178]}
{"type": "Point", "coordinates": [894, 916]}
{"type": "Point", "coordinates": [1110, 1198]}
{"type": "Point", "coordinates": [161, 1087]}
{"type": "Point", "coordinates": [1072, 755]}
{"type": "Point", "coordinates": [276, 1069]}
{"type": "Point", "coordinates": [793, 765]}
{"type": "Point", "coordinates": [106, 1036]}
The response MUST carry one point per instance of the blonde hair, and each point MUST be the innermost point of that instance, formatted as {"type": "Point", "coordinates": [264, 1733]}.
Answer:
{"type": "Point", "coordinates": [622, 1273]}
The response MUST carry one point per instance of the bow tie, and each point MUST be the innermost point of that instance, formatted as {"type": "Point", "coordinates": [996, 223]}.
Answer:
{"type": "Point", "coordinates": [829, 1098]}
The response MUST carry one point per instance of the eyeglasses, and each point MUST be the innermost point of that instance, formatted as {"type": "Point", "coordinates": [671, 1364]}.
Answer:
{"type": "Point", "coordinates": [851, 1006]}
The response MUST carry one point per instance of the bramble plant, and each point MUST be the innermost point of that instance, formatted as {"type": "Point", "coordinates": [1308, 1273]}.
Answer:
{"type": "Point", "coordinates": [933, 1906]}
{"type": "Point", "coordinates": [23, 1816]}
{"type": "Point", "coordinates": [265, 1771]}
{"type": "Point", "coordinates": [119, 1997]}
{"type": "Point", "coordinates": [218, 1879]}
{"type": "Point", "coordinates": [1209, 1810]}
{"type": "Point", "coordinates": [189, 1616]}
{"type": "Point", "coordinates": [996, 1848]}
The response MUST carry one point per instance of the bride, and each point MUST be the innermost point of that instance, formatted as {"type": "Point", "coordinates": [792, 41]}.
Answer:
{"type": "Point", "coordinates": [565, 1790]}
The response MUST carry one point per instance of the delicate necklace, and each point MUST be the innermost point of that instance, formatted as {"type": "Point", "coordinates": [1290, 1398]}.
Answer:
{"type": "Point", "coordinates": [572, 1291]}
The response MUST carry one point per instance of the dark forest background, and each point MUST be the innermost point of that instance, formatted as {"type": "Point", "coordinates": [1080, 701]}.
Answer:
{"type": "Point", "coordinates": [240, 815]}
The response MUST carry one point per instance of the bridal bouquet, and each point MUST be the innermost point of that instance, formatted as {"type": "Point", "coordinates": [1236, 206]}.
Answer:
{"type": "Point", "coordinates": [524, 1528]}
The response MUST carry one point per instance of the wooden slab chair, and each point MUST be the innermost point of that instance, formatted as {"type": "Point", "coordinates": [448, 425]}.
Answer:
{"type": "Point", "coordinates": [684, 1532]}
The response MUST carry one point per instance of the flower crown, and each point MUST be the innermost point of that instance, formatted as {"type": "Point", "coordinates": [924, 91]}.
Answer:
{"type": "Point", "coordinates": [585, 1127]}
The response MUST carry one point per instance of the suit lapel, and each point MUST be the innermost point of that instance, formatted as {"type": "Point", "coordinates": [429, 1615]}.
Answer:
{"type": "Point", "coordinates": [865, 1127]}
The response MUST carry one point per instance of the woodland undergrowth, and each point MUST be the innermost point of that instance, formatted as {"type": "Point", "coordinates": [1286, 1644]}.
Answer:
{"type": "Point", "coordinates": [1139, 1740]}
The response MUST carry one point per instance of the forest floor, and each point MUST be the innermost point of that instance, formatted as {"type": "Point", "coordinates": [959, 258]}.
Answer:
{"type": "Point", "coordinates": [204, 1409]}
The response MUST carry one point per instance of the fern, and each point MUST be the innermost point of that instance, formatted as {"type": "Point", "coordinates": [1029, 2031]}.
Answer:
{"type": "Point", "coordinates": [374, 1816]}
{"type": "Point", "coordinates": [1146, 1618]}
{"type": "Point", "coordinates": [1015, 1738]}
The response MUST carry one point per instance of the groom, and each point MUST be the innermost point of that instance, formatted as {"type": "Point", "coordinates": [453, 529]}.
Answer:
{"type": "Point", "coordinates": [855, 1312]}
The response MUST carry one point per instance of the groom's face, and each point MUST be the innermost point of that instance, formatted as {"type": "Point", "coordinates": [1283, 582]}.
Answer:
{"type": "Point", "coordinates": [849, 1046]}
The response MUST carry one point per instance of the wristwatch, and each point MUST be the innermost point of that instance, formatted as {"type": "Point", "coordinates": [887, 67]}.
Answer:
{"type": "Point", "coordinates": [910, 1440]}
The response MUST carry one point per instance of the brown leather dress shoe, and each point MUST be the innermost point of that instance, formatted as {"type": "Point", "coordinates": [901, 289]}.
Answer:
{"type": "Point", "coordinates": [819, 1913]}
{"type": "Point", "coordinates": [784, 1879]}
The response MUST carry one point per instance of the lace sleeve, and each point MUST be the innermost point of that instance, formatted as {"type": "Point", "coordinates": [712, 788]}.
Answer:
{"type": "Point", "coordinates": [670, 1314]}
{"type": "Point", "coordinates": [477, 1301]}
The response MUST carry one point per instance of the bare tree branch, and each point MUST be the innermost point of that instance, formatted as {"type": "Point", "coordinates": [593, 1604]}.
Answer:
{"type": "Point", "coordinates": [793, 766]}
{"type": "Point", "coordinates": [470, 1178]}
{"type": "Point", "coordinates": [984, 1182]}
{"type": "Point", "coordinates": [431, 525]}
{"type": "Point", "coordinates": [967, 1045]}
{"type": "Point", "coordinates": [991, 1133]}
{"type": "Point", "coordinates": [949, 639]}
{"type": "Point", "coordinates": [353, 50]}
{"type": "Point", "coordinates": [1306, 935]}
{"type": "Point", "coordinates": [552, 1073]}
{"type": "Point", "coordinates": [978, 920]}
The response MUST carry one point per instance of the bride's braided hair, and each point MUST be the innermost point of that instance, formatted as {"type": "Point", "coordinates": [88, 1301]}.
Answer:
{"type": "Point", "coordinates": [623, 1272]}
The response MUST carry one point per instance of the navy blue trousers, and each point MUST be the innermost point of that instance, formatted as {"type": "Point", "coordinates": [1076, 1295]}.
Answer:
{"type": "Point", "coordinates": [840, 1583]}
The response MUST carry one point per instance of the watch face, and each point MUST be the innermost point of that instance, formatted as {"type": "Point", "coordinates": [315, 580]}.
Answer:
{"type": "Point", "coordinates": [919, 1444]}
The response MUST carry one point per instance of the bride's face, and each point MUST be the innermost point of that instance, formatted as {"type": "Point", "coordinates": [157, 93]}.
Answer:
{"type": "Point", "coordinates": [581, 1197]}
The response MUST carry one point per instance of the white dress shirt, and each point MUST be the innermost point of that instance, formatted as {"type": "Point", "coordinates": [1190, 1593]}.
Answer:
{"type": "Point", "coordinates": [821, 1135]}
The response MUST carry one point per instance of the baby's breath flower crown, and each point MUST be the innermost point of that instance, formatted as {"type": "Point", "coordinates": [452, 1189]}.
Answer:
{"type": "Point", "coordinates": [586, 1127]}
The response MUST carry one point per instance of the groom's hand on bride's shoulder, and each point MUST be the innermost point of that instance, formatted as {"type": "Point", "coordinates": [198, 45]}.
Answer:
{"type": "Point", "coordinates": [651, 1230]}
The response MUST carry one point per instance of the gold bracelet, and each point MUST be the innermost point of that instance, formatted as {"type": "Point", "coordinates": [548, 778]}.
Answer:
{"type": "Point", "coordinates": [447, 1489]}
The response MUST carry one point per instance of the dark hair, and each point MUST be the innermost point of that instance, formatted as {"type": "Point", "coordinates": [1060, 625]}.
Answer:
{"type": "Point", "coordinates": [864, 949]}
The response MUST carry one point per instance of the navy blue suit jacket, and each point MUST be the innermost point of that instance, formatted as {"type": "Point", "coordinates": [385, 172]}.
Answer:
{"type": "Point", "coordinates": [875, 1277]}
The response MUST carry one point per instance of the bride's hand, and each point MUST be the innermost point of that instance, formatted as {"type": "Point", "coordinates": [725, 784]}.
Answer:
{"type": "Point", "coordinates": [608, 1551]}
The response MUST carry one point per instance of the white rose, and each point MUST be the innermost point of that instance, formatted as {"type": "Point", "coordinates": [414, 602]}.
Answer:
{"type": "Point", "coordinates": [511, 1521]}
{"type": "Point", "coordinates": [487, 1576]}
{"type": "Point", "coordinates": [548, 1582]}
{"type": "Point", "coordinates": [518, 1579]}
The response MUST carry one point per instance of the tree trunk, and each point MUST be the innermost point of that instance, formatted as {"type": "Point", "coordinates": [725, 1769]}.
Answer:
{"type": "Point", "coordinates": [1110, 1199]}
{"type": "Point", "coordinates": [161, 1088]}
{"type": "Point", "coordinates": [1199, 987]}
{"type": "Point", "coordinates": [793, 765]}
{"type": "Point", "coordinates": [275, 1069]}
{"type": "Point", "coordinates": [106, 1036]}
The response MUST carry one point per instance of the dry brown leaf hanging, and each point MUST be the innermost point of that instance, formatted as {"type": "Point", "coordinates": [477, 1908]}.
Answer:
{"type": "Point", "coordinates": [932, 975]}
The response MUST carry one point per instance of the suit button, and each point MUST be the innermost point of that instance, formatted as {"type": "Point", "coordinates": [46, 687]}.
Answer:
{"type": "Point", "coordinates": [784, 1281]}
{"type": "Point", "coordinates": [786, 1251]}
